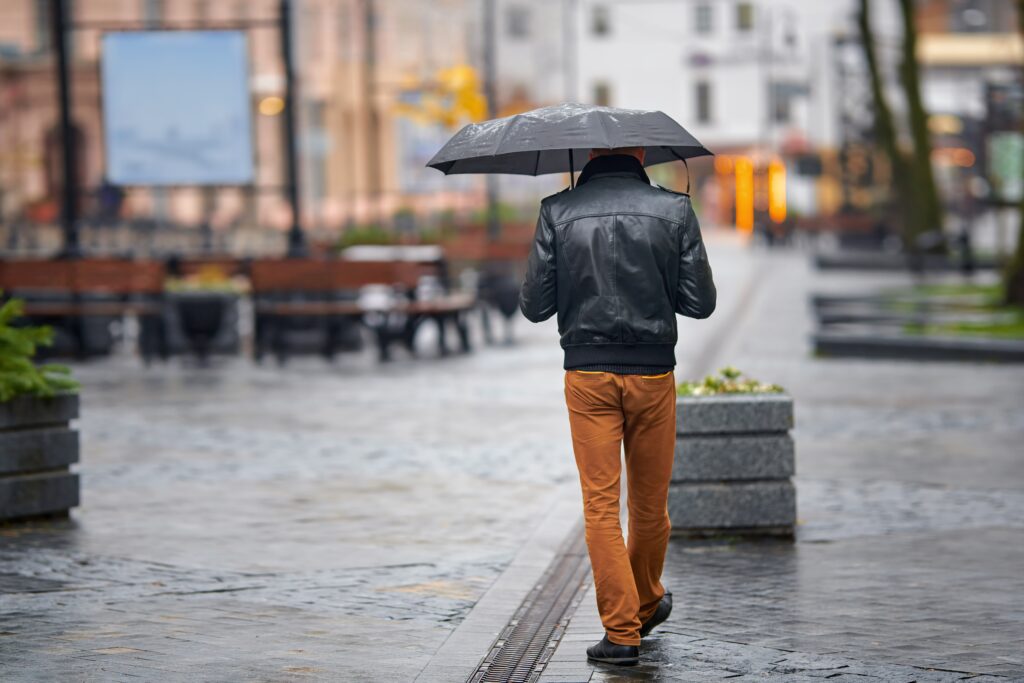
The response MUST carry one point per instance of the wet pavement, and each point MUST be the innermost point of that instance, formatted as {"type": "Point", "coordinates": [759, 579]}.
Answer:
{"type": "Point", "coordinates": [366, 522]}
{"type": "Point", "coordinates": [245, 523]}
{"type": "Point", "coordinates": [908, 556]}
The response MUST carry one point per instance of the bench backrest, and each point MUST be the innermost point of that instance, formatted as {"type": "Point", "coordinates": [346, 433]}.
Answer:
{"type": "Point", "coordinates": [86, 276]}
{"type": "Point", "coordinates": [117, 277]}
{"type": "Point", "coordinates": [289, 275]}
{"type": "Point", "coordinates": [296, 275]}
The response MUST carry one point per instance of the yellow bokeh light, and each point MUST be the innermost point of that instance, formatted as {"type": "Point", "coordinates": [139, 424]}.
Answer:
{"type": "Point", "coordinates": [271, 105]}
{"type": "Point", "coordinates": [744, 194]}
{"type": "Point", "coordinates": [777, 191]}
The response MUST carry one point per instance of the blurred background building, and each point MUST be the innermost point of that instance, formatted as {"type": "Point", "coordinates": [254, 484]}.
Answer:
{"type": "Point", "coordinates": [777, 89]}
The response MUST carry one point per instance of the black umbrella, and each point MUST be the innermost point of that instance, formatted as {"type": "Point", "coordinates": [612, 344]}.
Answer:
{"type": "Point", "coordinates": [559, 138]}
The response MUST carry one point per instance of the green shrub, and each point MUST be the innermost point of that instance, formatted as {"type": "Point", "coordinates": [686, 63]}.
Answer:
{"type": "Point", "coordinates": [729, 380]}
{"type": "Point", "coordinates": [365, 234]}
{"type": "Point", "coordinates": [19, 374]}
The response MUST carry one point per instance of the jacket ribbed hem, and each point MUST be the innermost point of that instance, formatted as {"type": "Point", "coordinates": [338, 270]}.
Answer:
{"type": "Point", "coordinates": [620, 369]}
{"type": "Point", "coordinates": [620, 354]}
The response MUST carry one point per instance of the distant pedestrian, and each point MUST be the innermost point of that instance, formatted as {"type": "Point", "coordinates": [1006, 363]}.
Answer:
{"type": "Point", "coordinates": [616, 259]}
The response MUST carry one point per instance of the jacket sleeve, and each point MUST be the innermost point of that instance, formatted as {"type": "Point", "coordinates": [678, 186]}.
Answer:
{"type": "Point", "coordinates": [538, 295]}
{"type": "Point", "coordinates": [695, 292]}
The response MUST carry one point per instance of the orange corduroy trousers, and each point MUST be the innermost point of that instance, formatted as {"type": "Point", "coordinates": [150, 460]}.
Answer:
{"type": "Point", "coordinates": [605, 411]}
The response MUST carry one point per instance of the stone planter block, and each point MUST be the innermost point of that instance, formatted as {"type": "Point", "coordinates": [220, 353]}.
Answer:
{"type": "Point", "coordinates": [727, 457]}
{"type": "Point", "coordinates": [32, 450]}
{"type": "Point", "coordinates": [736, 414]}
{"type": "Point", "coordinates": [28, 411]}
{"type": "Point", "coordinates": [37, 446]}
{"type": "Point", "coordinates": [40, 493]}
{"type": "Point", "coordinates": [718, 507]}
{"type": "Point", "coordinates": [733, 466]}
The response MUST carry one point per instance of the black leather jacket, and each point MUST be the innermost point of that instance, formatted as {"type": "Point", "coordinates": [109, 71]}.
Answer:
{"type": "Point", "coordinates": [617, 258]}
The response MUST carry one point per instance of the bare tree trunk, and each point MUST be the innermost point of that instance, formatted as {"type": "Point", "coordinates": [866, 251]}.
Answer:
{"type": "Point", "coordinates": [926, 192]}
{"type": "Point", "coordinates": [1013, 280]}
{"type": "Point", "coordinates": [888, 136]}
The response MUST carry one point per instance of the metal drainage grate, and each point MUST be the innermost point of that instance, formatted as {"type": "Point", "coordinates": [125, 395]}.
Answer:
{"type": "Point", "coordinates": [529, 639]}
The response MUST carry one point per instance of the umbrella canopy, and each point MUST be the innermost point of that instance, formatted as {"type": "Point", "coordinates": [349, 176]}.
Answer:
{"type": "Point", "coordinates": [544, 140]}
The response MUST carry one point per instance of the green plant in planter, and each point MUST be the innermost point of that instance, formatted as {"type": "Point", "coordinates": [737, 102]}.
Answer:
{"type": "Point", "coordinates": [729, 380]}
{"type": "Point", "coordinates": [210, 279]}
{"type": "Point", "coordinates": [365, 234]}
{"type": "Point", "coordinates": [19, 374]}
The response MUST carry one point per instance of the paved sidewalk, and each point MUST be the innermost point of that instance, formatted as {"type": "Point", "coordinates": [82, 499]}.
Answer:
{"type": "Point", "coordinates": [312, 522]}
{"type": "Point", "coordinates": [907, 564]}
{"type": "Point", "coordinates": [244, 523]}
{"type": "Point", "coordinates": [362, 522]}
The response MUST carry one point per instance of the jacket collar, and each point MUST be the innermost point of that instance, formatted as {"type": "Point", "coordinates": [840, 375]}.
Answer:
{"type": "Point", "coordinates": [615, 165]}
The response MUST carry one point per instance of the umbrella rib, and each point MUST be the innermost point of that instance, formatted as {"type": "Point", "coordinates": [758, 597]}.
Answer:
{"type": "Point", "coordinates": [604, 129]}
{"type": "Point", "coordinates": [536, 164]}
{"type": "Point", "coordinates": [504, 132]}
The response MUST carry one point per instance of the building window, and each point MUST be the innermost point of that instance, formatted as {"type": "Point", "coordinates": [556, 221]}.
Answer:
{"type": "Point", "coordinates": [600, 21]}
{"type": "Point", "coordinates": [42, 26]}
{"type": "Point", "coordinates": [744, 16]}
{"type": "Point", "coordinates": [517, 22]}
{"type": "Point", "coordinates": [974, 16]}
{"type": "Point", "coordinates": [704, 18]}
{"type": "Point", "coordinates": [780, 103]}
{"type": "Point", "coordinates": [783, 95]}
{"type": "Point", "coordinates": [602, 94]}
{"type": "Point", "coordinates": [702, 93]}
{"type": "Point", "coordinates": [152, 11]}
{"type": "Point", "coordinates": [790, 37]}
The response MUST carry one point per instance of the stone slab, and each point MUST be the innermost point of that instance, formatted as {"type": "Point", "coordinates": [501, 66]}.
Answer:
{"type": "Point", "coordinates": [33, 450]}
{"type": "Point", "coordinates": [746, 505]}
{"type": "Point", "coordinates": [895, 262]}
{"type": "Point", "coordinates": [868, 344]}
{"type": "Point", "coordinates": [734, 414]}
{"type": "Point", "coordinates": [37, 494]}
{"type": "Point", "coordinates": [722, 457]}
{"type": "Point", "coordinates": [30, 411]}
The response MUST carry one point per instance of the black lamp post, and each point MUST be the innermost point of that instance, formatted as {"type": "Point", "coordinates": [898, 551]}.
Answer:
{"type": "Point", "coordinates": [69, 157]}
{"type": "Point", "coordinates": [296, 238]}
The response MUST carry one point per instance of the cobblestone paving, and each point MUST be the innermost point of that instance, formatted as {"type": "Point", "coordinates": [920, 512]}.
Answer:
{"type": "Point", "coordinates": [246, 523]}
{"type": "Point", "coordinates": [911, 538]}
{"type": "Point", "coordinates": [333, 522]}
{"type": "Point", "coordinates": [340, 522]}
{"type": "Point", "coordinates": [228, 535]}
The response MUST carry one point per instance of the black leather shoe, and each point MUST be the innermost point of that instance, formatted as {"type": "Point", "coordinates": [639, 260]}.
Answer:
{"type": "Point", "coordinates": [660, 614]}
{"type": "Point", "coordinates": [610, 653]}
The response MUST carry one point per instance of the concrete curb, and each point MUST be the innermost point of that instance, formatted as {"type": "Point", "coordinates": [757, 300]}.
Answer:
{"type": "Point", "coordinates": [918, 347]}
{"type": "Point", "coordinates": [460, 655]}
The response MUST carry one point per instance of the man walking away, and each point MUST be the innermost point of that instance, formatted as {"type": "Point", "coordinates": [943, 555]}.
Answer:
{"type": "Point", "coordinates": [616, 258]}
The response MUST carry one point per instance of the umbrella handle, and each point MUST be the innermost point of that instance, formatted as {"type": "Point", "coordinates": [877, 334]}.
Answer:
{"type": "Point", "coordinates": [572, 179]}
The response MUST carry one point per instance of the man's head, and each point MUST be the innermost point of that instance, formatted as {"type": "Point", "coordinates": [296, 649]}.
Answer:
{"type": "Point", "coordinates": [636, 152]}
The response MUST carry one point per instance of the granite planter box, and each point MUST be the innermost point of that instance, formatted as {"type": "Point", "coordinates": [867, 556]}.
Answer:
{"type": "Point", "coordinates": [733, 466]}
{"type": "Point", "coordinates": [37, 446]}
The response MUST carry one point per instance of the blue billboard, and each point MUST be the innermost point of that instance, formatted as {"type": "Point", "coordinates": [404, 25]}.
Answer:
{"type": "Point", "coordinates": [176, 108]}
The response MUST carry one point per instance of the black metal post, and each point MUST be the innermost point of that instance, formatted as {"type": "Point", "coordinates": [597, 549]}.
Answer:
{"type": "Point", "coordinates": [69, 157]}
{"type": "Point", "coordinates": [491, 94]}
{"type": "Point", "coordinates": [296, 238]}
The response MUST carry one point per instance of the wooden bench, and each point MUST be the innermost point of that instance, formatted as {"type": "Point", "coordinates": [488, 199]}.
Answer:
{"type": "Point", "coordinates": [286, 292]}
{"type": "Point", "coordinates": [68, 294]}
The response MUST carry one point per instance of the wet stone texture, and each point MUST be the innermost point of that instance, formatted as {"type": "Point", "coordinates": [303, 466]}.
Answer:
{"type": "Point", "coordinates": [910, 537]}
{"type": "Point", "coordinates": [256, 523]}
{"type": "Point", "coordinates": [340, 523]}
